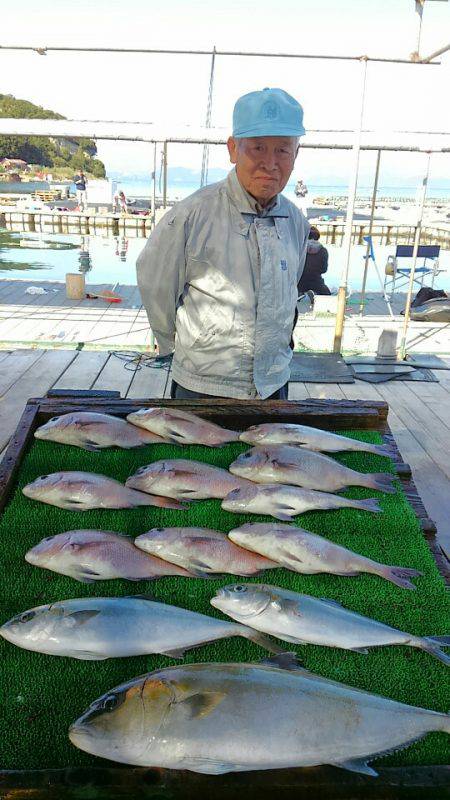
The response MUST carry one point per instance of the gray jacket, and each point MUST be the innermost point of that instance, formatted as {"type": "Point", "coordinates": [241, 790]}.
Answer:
{"type": "Point", "coordinates": [218, 278]}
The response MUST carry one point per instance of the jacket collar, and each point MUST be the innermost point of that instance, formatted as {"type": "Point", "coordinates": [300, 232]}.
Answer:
{"type": "Point", "coordinates": [243, 201]}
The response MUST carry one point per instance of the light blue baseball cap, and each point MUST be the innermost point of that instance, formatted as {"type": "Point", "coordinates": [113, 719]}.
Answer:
{"type": "Point", "coordinates": [270, 112]}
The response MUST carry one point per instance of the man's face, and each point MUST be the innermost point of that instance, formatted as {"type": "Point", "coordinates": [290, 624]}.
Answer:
{"type": "Point", "coordinates": [263, 163]}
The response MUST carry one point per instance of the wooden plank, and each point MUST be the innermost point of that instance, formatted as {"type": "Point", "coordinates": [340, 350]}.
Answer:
{"type": "Point", "coordinates": [114, 376]}
{"type": "Point", "coordinates": [35, 381]}
{"type": "Point", "coordinates": [325, 390]}
{"type": "Point", "coordinates": [326, 414]}
{"type": "Point", "coordinates": [148, 382]}
{"type": "Point", "coordinates": [420, 420]}
{"type": "Point", "coordinates": [360, 390]}
{"type": "Point", "coordinates": [83, 371]}
{"type": "Point", "coordinates": [298, 391]}
{"type": "Point", "coordinates": [12, 368]}
{"type": "Point", "coordinates": [117, 783]}
{"type": "Point", "coordinates": [432, 484]}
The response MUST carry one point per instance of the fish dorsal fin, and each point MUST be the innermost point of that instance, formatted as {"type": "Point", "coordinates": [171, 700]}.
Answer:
{"type": "Point", "coordinates": [150, 597]}
{"type": "Point", "coordinates": [288, 661]}
{"type": "Point", "coordinates": [330, 602]}
{"type": "Point", "coordinates": [357, 765]}
{"type": "Point", "coordinates": [198, 706]}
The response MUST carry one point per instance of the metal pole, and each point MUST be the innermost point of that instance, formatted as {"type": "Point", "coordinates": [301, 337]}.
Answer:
{"type": "Point", "coordinates": [402, 347]}
{"type": "Point", "coordinates": [439, 52]}
{"type": "Point", "coordinates": [372, 210]}
{"type": "Point", "coordinates": [205, 160]}
{"type": "Point", "coordinates": [43, 51]}
{"type": "Point", "coordinates": [347, 243]}
{"type": "Point", "coordinates": [154, 188]}
{"type": "Point", "coordinates": [165, 174]}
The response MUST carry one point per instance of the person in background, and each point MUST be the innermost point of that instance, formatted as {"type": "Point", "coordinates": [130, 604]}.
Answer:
{"type": "Point", "coordinates": [80, 182]}
{"type": "Point", "coordinates": [316, 265]}
{"type": "Point", "coordinates": [218, 276]}
{"type": "Point", "coordinates": [120, 203]}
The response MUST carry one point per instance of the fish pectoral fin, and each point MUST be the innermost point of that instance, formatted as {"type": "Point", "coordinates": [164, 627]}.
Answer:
{"type": "Point", "coordinates": [81, 617]}
{"type": "Point", "coordinates": [93, 447]}
{"type": "Point", "coordinates": [85, 575]}
{"type": "Point", "coordinates": [357, 765]}
{"type": "Point", "coordinates": [200, 705]}
{"type": "Point", "coordinates": [288, 606]}
{"type": "Point", "coordinates": [286, 660]}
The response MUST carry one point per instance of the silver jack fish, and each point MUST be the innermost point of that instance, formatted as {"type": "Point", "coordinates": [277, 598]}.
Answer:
{"type": "Point", "coordinates": [309, 554]}
{"type": "Point", "coordinates": [278, 463]}
{"type": "Point", "coordinates": [202, 551]}
{"type": "Point", "coordinates": [302, 619]}
{"type": "Point", "coordinates": [310, 438]}
{"type": "Point", "coordinates": [181, 427]}
{"type": "Point", "coordinates": [184, 479]}
{"type": "Point", "coordinates": [91, 555]}
{"type": "Point", "coordinates": [82, 491]}
{"type": "Point", "coordinates": [217, 718]}
{"type": "Point", "coordinates": [96, 628]}
{"type": "Point", "coordinates": [285, 502]}
{"type": "Point", "coordinates": [93, 431]}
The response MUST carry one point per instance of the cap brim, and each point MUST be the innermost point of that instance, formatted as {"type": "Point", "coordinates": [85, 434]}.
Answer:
{"type": "Point", "coordinates": [259, 130]}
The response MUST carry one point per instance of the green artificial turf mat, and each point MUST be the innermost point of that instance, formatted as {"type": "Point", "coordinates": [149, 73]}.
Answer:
{"type": "Point", "coordinates": [42, 694]}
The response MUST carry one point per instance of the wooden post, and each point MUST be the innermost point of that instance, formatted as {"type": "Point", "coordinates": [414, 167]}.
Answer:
{"type": "Point", "coordinates": [75, 286]}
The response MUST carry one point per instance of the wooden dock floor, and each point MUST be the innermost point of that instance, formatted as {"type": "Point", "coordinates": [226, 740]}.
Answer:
{"type": "Point", "coordinates": [419, 413]}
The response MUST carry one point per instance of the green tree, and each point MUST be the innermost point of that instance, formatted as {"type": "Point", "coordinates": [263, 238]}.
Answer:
{"type": "Point", "coordinates": [43, 150]}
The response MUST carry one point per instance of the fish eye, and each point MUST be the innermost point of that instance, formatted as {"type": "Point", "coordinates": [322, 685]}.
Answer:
{"type": "Point", "coordinates": [42, 477]}
{"type": "Point", "coordinates": [27, 616]}
{"type": "Point", "coordinates": [247, 454]}
{"type": "Point", "coordinates": [233, 493]}
{"type": "Point", "coordinates": [240, 588]}
{"type": "Point", "coordinates": [110, 703]}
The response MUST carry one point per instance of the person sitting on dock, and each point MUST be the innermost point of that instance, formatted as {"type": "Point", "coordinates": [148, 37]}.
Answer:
{"type": "Point", "coordinates": [219, 274]}
{"type": "Point", "coordinates": [80, 182]}
{"type": "Point", "coordinates": [316, 265]}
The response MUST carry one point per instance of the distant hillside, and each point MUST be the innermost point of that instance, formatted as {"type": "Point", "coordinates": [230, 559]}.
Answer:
{"type": "Point", "coordinates": [44, 150]}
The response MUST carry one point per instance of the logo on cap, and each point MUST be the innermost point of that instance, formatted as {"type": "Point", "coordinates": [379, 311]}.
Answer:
{"type": "Point", "coordinates": [270, 110]}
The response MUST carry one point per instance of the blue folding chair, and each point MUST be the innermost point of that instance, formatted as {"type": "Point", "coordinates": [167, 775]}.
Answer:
{"type": "Point", "coordinates": [397, 277]}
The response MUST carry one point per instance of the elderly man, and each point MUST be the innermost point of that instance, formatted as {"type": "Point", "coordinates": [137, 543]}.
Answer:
{"type": "Point", "coordinates": [219, 274]}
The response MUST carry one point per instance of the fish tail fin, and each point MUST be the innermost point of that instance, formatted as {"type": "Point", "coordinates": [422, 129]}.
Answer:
{"type": "Point", "coordinates": [379, 480]}
{"type": "Point", "coordinates": [400, 576]}
{"type": "Point", "coordinates": [433, 645]}
{"type": "Point", "coordinates": [232, 436]}
{"type": "Point", "coordinates": [371, 504]}
{"type": "Point", "coordinates": [380, 450]}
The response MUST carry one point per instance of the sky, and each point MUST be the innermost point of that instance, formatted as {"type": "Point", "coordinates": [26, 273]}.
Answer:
{"type": "Point", "coordinates": [173, 89]}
